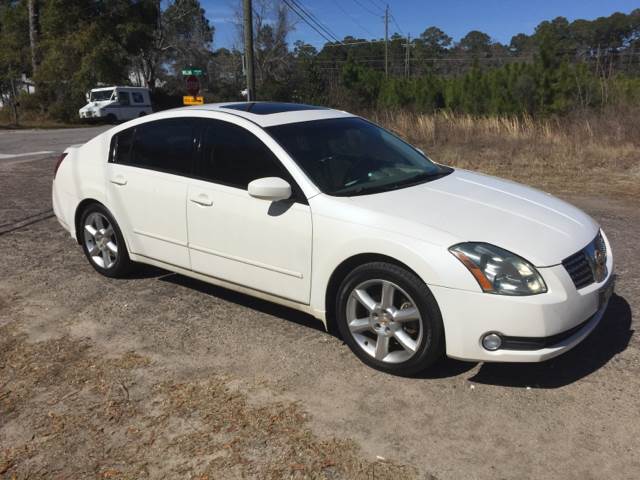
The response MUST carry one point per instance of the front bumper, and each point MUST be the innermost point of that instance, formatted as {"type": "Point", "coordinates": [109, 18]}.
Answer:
{"type": "Point", "coordinates": [91, 114]}
{"type": "Point", "coordinates": [563, 314]}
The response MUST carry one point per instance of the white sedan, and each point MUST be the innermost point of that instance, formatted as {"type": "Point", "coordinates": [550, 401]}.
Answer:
{"type": "Point", "coordinates": [328, 213]}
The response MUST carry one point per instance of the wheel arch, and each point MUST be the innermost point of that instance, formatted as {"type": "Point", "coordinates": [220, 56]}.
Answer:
{"type": "Point", "coordinates": [82, 206]}
{"type": "Point", "coordinates": [342, 270]}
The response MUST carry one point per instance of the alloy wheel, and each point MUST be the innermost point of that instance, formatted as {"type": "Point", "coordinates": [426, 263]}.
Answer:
{"type": "Point", "coordinates": [384, 321]}
{"type": "Point", "coordinates": [100, 240]}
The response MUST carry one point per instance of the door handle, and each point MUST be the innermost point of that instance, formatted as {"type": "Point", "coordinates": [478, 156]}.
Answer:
{"type": "Point", "coordinates": [202, 199]}
{"type": "Point", "coordinates": [119, 180]}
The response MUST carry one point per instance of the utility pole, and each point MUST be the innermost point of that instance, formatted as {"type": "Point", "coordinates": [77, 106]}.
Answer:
{"type": "Point", "coordinates": [386, 41]}
{"type": "Point", "coordinates": [407, 57]}
{"type": "Point", "coordinates": [248, 50]}
{"type": "Point", "coordinates": [33, 34]}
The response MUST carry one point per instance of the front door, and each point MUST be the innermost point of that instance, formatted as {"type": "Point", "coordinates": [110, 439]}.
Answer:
{"type": "Point", "coordinates": [244, 240]}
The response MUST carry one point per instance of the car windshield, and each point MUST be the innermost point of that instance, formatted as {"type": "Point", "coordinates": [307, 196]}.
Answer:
{"type": "Point", "coordinates": [350, 156]}
{"type": "Point", "coordinates": [101, 95]}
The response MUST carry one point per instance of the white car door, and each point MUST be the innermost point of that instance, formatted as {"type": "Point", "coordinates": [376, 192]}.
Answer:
{"type": "Point", "coordinates": [256, 243]}
{"type": "Point", "coordinates": [147, 187]}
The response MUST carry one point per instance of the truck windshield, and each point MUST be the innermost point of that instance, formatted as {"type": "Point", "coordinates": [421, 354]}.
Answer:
{"type": "Point", "coordinates": [101, 95]}
{"type": "Point", "coordinates": [350, 156]}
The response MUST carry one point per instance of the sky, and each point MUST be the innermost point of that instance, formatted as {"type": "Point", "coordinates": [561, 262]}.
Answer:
{"type": "Point", "coordinates": [501, 19]}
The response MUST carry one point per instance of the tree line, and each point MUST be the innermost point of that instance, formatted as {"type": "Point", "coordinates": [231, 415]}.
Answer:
{"type": "Point", "coordinates": [66, 47]}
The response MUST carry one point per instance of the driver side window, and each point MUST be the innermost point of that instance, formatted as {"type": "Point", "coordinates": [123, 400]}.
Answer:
{"type": "Point", "coordinates": [233, 156]}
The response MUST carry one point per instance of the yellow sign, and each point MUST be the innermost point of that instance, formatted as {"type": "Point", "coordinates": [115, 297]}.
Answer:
{"type": "Point", "coordinates": [189, 100]}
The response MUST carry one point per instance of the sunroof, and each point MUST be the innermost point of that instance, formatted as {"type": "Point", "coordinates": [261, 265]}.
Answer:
{"type": "Point", "coordinates": [265, 108]}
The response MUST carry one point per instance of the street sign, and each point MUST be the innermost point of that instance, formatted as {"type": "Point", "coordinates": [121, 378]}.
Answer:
{"type": "Point", "coordinates": [191, 100]}
{"type": "Point", "coordinates": [187, 72]}
{"type": "Point", "coordinates": [193, 85]}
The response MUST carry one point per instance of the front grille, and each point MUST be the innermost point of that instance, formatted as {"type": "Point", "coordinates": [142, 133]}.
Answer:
{"type": "Point", "coordinates": [589, 264]}
{"type": "Point", "coordinates": [579, 270]}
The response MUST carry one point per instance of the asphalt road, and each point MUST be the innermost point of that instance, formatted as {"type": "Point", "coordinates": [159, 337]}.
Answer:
{"type": "Point", "coordinates": [577, 416]}
{"type": "Point", "coordinates": [28, 144]}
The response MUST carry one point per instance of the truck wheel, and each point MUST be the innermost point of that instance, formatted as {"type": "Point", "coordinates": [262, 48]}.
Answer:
{"type": "Point", "coordinates": [111, 118]}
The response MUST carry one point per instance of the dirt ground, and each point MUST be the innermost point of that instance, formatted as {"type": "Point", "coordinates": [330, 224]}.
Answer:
{"type": "Point", "coordinates": [160, 376]}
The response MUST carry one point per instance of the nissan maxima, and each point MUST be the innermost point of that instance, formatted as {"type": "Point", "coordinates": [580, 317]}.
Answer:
{"type": "Point", "coordinates": [325, 212]}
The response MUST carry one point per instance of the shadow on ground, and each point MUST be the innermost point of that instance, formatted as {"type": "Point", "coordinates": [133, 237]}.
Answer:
{"type": "Point", "coordinates": [609, 338]}
{"type": "Point", "coordinates": [248, 301]}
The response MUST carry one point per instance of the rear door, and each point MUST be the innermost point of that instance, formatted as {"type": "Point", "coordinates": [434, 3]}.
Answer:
{"type": "Point", "coordinates": [147, 187]}
{"type": "Point", "coordinates": [234, 237]}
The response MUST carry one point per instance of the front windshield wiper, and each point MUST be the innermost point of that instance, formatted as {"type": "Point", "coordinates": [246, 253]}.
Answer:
{"type": "Point", "coordinates": [409, 182]}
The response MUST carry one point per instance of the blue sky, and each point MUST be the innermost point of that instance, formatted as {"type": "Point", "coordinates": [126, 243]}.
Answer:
{"type": "Point", "coordinates": [501, 19]}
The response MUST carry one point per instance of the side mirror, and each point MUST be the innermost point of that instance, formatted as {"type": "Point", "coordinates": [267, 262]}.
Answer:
{"type": "Point", "coordinates": [270, 188]}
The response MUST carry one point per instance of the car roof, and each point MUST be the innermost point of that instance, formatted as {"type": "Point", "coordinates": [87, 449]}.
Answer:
{"type": "Point", "coordinates": [268, 114]}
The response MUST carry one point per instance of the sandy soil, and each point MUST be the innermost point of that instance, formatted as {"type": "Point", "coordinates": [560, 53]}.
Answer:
{"type": "Point", "coordinates": [160, 376]}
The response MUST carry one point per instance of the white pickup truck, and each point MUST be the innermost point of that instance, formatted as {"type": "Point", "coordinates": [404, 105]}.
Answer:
{"type": "Point", "coordinates": [115, 104]}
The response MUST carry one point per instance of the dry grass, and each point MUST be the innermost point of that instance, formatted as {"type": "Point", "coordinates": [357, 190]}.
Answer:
{"type": "Point", "coordinates": [68, 412]}
{"type": "Point", "coordinates": [581, 153]}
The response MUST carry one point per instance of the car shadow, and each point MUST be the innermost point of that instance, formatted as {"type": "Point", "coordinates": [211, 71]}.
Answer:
{"type": "Point", "coordinates": [244, 300]}
{"type": "Point", "coordinates": [610, 337]}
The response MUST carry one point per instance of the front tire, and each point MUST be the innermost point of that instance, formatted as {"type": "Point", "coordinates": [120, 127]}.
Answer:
{"type": "Point", "coordinates": [389, 318]}
{"type": "Point", "coordinates": [103, 243]}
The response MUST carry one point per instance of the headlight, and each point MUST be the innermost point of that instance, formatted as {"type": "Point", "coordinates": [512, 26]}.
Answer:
{"type": "Point", "coordinates": [499, 271]}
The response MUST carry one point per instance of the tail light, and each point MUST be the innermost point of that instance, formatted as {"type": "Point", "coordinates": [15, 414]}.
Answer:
{"type": "Point", "coordinates": [58, 162]}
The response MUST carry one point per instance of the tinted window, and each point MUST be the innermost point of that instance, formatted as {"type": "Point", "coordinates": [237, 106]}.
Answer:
{"type": "Point", "coordinates": [121, 146]}
{"type": "Point", "coordinates": [234, 156]}
{"type": "Point", "coordinates": [165, 145]}
{"type": "Point", "coordinates": [123, 98]}
{"type": "Point", "coordinates": [137, 97]}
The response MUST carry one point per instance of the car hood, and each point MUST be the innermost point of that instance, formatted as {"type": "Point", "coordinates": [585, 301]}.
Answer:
{"type": "Point", "coordinates": [474, 207]}
{"type": "Point", "coordinates": [96, 105]}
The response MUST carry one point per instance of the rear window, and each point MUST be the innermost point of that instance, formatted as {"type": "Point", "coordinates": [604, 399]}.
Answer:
{"type": "Point", "coordinates": [121, 146]}
{"type": "Point", "coordinates": [137, 97]}
{"type": "Point", "coordinates": [163, 145]}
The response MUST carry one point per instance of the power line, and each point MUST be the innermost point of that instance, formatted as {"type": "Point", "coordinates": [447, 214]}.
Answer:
{"type": "Point", "coordinates": [379, 5]}
{"type": "Point", "coordinates": [367, 9]}
{"type": "Point", "coordinates": [315, 19]}
{"type": "Point", "coordinates": [319, 32]}
{"type": "Point", "coordinates": [363, 42]}
{"type": "Point", "coordinates": [337, 3]}
{"type": "Point", "coordinates": [396, 24]}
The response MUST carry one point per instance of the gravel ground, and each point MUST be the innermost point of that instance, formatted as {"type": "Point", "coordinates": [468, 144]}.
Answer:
{"type": "Point", "coordinates": [163, 376]}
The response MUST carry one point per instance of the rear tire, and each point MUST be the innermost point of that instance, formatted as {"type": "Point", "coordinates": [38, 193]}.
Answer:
{"type": "Point", "coordinates": [103, 243]}
{"type": "Point", "coordinates": [389, 318]}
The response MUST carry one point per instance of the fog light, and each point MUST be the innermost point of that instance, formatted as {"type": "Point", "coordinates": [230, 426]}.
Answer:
{"type": "Point", "coordinates": [492, 341]}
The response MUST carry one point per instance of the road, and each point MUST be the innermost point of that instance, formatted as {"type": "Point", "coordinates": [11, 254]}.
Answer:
{"type": "Point", "coordinates": [88, 361]}
{"type": "Point", "coordinates": [26, 144]}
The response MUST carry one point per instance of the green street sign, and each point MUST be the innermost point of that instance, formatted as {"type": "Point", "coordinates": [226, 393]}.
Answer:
{"type": "Point", "coordinates": [187, 72]}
